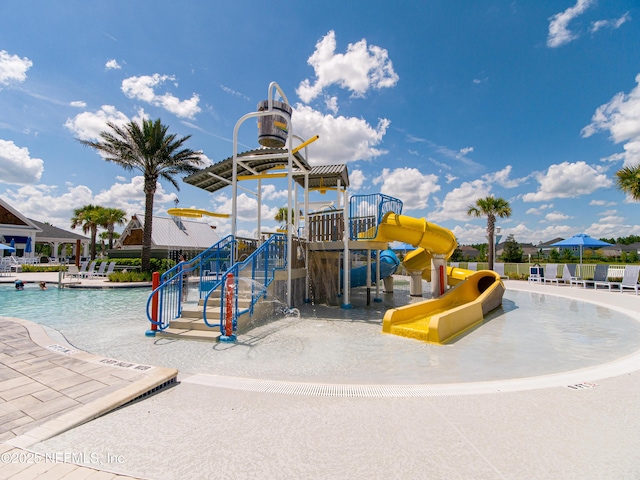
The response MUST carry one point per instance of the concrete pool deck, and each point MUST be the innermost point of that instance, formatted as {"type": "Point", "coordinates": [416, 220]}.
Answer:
{"type": "Point", "coordinates": [586, 429]}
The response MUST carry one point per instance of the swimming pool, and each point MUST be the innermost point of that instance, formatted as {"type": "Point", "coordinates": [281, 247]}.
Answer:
{"type": "Point", "coordinates": [532, 334]}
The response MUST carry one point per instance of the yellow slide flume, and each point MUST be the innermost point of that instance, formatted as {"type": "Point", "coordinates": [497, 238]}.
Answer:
{"type": "Point", "coordinates": [462, 307]}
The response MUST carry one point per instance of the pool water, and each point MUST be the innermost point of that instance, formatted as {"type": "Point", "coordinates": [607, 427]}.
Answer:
{"type": "Point", "coordinates": [531, 334]}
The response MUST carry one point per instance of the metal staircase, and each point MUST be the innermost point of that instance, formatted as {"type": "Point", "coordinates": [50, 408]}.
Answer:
{"type": "Point", "coordinates": [221, 282]}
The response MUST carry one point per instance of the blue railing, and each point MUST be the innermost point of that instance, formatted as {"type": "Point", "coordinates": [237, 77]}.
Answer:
{"type": "Point", "coordinates": [367, 211]}
{"type": "Point", "coordinates": [210, 265]}
{"type": "Point", "coordinates": [251, 278]}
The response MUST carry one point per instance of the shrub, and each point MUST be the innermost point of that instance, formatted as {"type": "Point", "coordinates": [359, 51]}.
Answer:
{"type": "Point", "coordinates": [122, 277]}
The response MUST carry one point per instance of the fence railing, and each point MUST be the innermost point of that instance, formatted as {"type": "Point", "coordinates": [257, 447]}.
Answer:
{"type": "Point", "coordinates": [366, 212]}
{"type": "Point", "coordinates": [326, 226]}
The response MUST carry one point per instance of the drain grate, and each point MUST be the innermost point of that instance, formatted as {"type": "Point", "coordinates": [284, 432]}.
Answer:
{"type": "Point", "coordinates": [317, 390]}
{"type": "Point", "coordinates": [169, 383]}
{"type": "Point", "coordinates": [583, 385]}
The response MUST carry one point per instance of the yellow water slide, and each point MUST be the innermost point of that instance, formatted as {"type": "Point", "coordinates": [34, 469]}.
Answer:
{"type": "Point", "coordinates": [460, 308]}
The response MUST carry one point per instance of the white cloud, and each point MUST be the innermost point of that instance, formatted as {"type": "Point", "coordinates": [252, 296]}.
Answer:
{"type": "Point", "coordinates": [142, 88]}
{"type": "Point", "coordinates": [17, 166]}
{"type": "Point", "coordinates": [559, 33]}
{"type": "Point", "coordinates": [112, 65]}
{"type": "Point", "coordinates": [601, 203]}
{"type": "Point", "coordinates": [88, 125]}
{"type": "Point", "coordinates": [409, 184]}
{"type": "Point", "coordinates": [331, 103]}
{"type": "Point", "coordinates": [502, 178]}
{"type": "Point", "coordinates": [269, 192]}
{"type": "Point", "coordinates": [78, 103]}
{"type": "Point", "coordinates": [362, 67]}
{"type": "Point", "coordinates": [356, 180]}
{"type": "Point", "coordinates": [615, 24]}
{"type": "Point", "coordinates": [621, 117]}
{"type": "Point", "coordinates": [539, 210]}
{"type": "Point", "coordinates": [45, 202]}
{"type": "Point", "coordinates": [555, 217]}
{"type": "Point", "coordinates": [247, 208]}
{"type": "Point", "coordinates": [568, 180]}
{"type": "Point", "coordinates": [351, 138]}
{"type": "Point", "coordinates": [13, 68]}
{"type": "Point", "coordinates": [459, 156]}
{"type": "Point", "coordinates": [456, 203]}
{"type": "Point", "coordinates": [450, 178]}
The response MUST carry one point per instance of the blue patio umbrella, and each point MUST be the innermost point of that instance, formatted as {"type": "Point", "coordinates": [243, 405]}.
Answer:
{"type": "Point", "coordinates": [581, 240]}
{"type": "Point", "coordinates": [13, 244]}
{"type": "Point", "coordinates": [27, 247]}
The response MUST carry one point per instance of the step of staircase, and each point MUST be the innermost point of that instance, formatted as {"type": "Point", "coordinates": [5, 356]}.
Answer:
{"type": "Point", "coordinates": [210, 335]}
{"type": "Point", "coordinates": [194, 323]}
{"type": "Point", "coordinates": [195, 311]}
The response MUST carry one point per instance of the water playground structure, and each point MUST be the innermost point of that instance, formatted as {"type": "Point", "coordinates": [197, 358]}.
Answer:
{"type": "Point", "coordinates": [317, 256]}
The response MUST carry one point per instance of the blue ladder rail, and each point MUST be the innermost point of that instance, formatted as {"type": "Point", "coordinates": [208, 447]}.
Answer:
{"type": "Point", "coordinates": [213, 267]}
{"type": "Point", "coordinates": [210, 266]}
{"type": "Point", "coordinates": [260, 267]}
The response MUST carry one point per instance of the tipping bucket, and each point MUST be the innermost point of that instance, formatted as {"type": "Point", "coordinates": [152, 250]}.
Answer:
{"type": "Point", "coordinates": [272, 129]}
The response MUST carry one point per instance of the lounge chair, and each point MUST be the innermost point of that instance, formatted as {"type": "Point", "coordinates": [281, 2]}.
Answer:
{"type": "Point", "coordinates": [599, 275]}
{"type": "Point", "coordinates": [550, 273]}
{"type": "Point", "coordinates": [72, 272]}
{"type": "Point", "coordinates": [90, 271]}
{"type": "Point", "coordinates": [105, 273]}
{"type": "Point", "coordinates": [630, 278]}
{"type": "Point", "coordinates": [568, 273]}
{"type": "Point", "coordinates": [5, 269]}
{"type": "Point", "coordinates": [101, 270]}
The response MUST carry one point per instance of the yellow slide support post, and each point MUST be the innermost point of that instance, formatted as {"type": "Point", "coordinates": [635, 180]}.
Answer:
{"type": "Point", "coordinates": [459, 309]}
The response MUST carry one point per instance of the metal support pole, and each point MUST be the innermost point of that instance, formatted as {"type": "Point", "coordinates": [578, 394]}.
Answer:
{"type": "Point", "coordinates": [378, 298]}
{"type": "Point", "coordinates": [346, 274]}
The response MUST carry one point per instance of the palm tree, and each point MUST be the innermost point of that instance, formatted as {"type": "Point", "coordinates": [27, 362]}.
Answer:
{"type": "Point", "coordinates": [111, 218]}
{"type": "Point", "coordinates": [491, 207]}
{"type": "Point", "coordinates": [629, 181]}
{"type": "Point", "coordinates": [149, 149]}
{"type": "Point", "coordinates": [89, 218]}
{"type": "Point", "coordinates": [283, 215]}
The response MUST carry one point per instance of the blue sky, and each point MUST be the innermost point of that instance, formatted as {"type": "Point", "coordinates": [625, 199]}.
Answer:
{"type": "Point", "coordinates": [437, 103]}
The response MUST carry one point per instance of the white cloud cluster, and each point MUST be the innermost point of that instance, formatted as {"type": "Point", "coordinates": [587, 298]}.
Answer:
{"type": "Point", "coordinates": [13, 68]}
{"type": "Point", "coordinates": [621, 117]}
{"type": "Point", "coordinates": [456, 203]}
{"type": "Point", "coordinates": [559, 33]}
{"type": "Point", "coordinates": [502, 178]}
{"type": "Point", "coordinates": [555, 217]}
{"type": "Point", "coordinates": [142, 88]}
{"type": "Point", "coordinates": [356, 180]}
{"type": "Point", "coordinates": [568, 180]}
{"type": "Point", "coordinates": [17, 166]}
{"type": "Point", "coordinates": [409, 184]}
{"type": "Point", "coordinates": [88, 125]}
{"type": "Point", "coordinates": [112, 65]}
{"type": "Point", "coordinates": [615, 23]}
{"type": "Point", "coordinates": [362, 67]}
{"type": "Point", "coordinates": [351, 138]}
{"type": "Point", "coordinates": [45, 202]}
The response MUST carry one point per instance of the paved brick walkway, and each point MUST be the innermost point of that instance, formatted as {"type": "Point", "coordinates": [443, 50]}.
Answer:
{"type": "Point", "coordinates": [47, 388]}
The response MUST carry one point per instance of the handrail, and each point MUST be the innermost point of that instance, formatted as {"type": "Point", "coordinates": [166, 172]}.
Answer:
{"type": "Point", "coordinates": [217, 259]}
{"type": "Point", "coordinates": [367, 211]}
{"type": "Point", "coordinates": [260, 268]}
